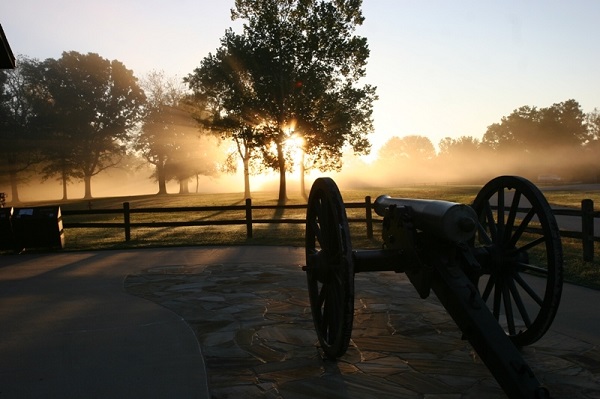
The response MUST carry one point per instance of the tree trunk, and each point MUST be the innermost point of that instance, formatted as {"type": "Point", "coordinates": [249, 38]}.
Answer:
{"type": "Point", "coordinates": [282, 186]}
{"type": "Point", "coordinates": [160, 177]}
{"type": "Point", "coordinates": [12, 176]}
{"type": "Point", "coordinates": [87, 180]}
{"type": "Point", "coordinates": [184, 186]}
{"type": "Point", "coordinates": [14, 186]}
{"type": "Point", "coordinates": [246, 161]}
{"type": "Point", "coordinates": [64, 185]}
{"type": "Point", "coordinates": [302, 173]}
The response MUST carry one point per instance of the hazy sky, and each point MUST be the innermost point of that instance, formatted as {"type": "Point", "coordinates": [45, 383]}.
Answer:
{"type": "Point", "coordinates": [443, 68]}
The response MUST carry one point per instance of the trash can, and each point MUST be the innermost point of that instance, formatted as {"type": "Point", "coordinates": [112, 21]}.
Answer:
{"type": "Point", "coordinates": [7, 237]}
{"type": "Point", "coordinates": [38, 227]}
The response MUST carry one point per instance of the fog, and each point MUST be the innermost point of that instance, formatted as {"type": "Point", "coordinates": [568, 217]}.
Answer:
{"type": "Point", "coordinates": [559, 165]}
{"type": "Point", "coordinates": [564, 165]}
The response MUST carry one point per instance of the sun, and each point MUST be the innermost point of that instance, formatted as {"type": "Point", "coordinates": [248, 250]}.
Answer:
{"type": "Point", "coordinates": [294, 145]}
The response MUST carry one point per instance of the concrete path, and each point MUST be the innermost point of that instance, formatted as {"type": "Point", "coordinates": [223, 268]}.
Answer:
{"type": "Point", "coordinates": [69, 329]}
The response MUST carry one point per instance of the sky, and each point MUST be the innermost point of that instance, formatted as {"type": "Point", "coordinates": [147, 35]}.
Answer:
{"type": "Point", "coordinates": [442, 68]}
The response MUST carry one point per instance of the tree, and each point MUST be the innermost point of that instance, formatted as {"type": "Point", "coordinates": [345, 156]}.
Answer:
{"type": "Point", "coordinates": [94, 105]}
{"type": "Point", "coordinates": [246, 147]}
{"type": "Point", "coordinates": [221, 88]}
{"type": "Point", "coordinates": [464, 146]}
{"type": "Point", "coordinates": [19, 144]}
{"type": "Point", "coordinates": [563, 125]}
{"type": "Point", "coordinates": [593, 123]}
{"type": "Point", "coordinates": [296, 64]}
{"type": "Point", "coordinates": [532, 130]}
{"type": "Point", "coordinates": [192, 155]}
{"type": "Point", "coordinates": [403, 159]}
{"type": "Point", "coordinates": [532, 136]}
{"type": "Point", "coordinates": [515, 132]}
{"type": "Point", "coordinates": [409, 148]}
{"type": "Point", "coordinates": [160, 135]}
{"type": "Point", "coordinates": [169, 138]}
{"type": "Point", "coordinates": [593, 145]}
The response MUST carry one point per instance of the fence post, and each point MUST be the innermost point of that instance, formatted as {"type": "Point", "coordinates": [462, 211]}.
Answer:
{"type": "Point", "coordinates": [248, 218]}
{"type": "Point", "coordinates": [127, 221]}
{"type": "Point", "coordinates": [587, 229]}
{"type": "Point", "coordinates": [369, 216]}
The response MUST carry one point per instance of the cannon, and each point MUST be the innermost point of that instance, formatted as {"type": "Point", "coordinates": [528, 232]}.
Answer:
{"type": "Point", "coordinates": [496, 266]}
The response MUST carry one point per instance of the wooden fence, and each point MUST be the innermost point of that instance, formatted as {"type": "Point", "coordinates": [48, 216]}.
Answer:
{"type": "Point", "coordinates": [248, 220]}
{"type": "Point", "coordinates": [586, 213]}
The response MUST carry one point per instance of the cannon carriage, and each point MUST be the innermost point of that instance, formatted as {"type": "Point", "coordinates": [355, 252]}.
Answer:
{"type": "Point", "coordinates": [496, 266]}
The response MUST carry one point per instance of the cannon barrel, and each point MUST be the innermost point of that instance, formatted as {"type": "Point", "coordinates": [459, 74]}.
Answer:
{"type": "Point", "coordinates": [447, 220]}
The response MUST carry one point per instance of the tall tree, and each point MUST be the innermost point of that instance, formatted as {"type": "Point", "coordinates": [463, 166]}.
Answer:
{"type": "Point", "coordinates": [194, 158]}
{"type": "Point", "coordinates": [222, 88]}
{"type": "Point", "coordinates": [160, 135]}
{"type": "Point", "coordinates": [95, 104]}
{"type": "Point", "coordinates": [246, 149]}
{"type": "Point", "coordinates": [169, 138]}
{"type": "Point", "coordinates": [297, 63]}
{"type": "Point", "coordinates": [19, 145]}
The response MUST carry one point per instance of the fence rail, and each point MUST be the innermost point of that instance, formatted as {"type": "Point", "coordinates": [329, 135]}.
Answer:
{"type": "Point", "coordinates": [586, 213]}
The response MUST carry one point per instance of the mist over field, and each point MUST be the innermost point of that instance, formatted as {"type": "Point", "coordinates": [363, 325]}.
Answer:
{"type": "Point", "coordinates": [562, 166]}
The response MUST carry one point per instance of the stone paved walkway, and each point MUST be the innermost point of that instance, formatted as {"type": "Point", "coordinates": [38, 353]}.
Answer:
{"type": "Point", "coordinates": [254, 325]}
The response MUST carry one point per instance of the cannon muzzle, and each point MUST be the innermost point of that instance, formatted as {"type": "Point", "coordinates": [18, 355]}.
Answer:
{"type": "Point", "coordinates": [447, 220]}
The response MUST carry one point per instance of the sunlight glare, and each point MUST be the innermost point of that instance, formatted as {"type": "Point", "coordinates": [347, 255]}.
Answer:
{"type": "Point", "coordinates": [295, 147]}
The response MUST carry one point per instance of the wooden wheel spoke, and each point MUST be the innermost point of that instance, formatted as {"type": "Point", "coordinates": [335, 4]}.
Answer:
{"type": "Point", "coordinates": [316, 229]}
{"type": "Point", "coordinates": [533, 268]}
{"type": "Point", "coordinates": [500, 221]}
{"type": "Point", "coordinates": [530, 291]}
{"type": "Point", "coordinates": [323, 295]}
{"type": "Point", "coordinates": [488, 289]}
{"type": "Point", "coordinates": [510, 222]}
{"type": "Point", "coordinates": [328, 311]}
{"type": "Point", "coordinates": [528, 246]}
{"type": "Point", "coordinates": [519, 302]}
{"type": "Point", "coordinates": [497, 301]}
{"type": "Point", "coordinates": [489, 215]}
{"type": "Point", "coordinates": [329, 314]}
{"type": "Point", "coordinates": [324, 224]}
{"type": "Point", "coordinates": [483, 235]}
{"type": "Point", "coordinates": [521, 229]}
{"type": "Point", "coordinates": [508, 311]}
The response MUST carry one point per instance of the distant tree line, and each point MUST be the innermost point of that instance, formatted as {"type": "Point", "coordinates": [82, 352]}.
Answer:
{"type": "Point", "coordinates": [559, 142]}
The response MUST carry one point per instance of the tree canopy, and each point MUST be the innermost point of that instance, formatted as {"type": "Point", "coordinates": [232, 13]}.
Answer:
{"type": "Point", "coordinates": [293, 71]}
{"type": "Point", "coordinates": [529, 129]}
{"type": "Point", "coordinates": [413, 148]}
{"type": "Point", "coordinates": [89, 109]}
{"type": "Point", "coordinates": [169, 139]}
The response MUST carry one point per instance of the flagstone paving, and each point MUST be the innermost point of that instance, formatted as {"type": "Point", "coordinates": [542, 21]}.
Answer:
{"type": "Point", "coordinates": [255, 328]}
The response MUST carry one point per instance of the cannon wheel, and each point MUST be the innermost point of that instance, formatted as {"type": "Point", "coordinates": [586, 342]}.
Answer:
{"type": "Point", "coordinates": [521, 275]}
{"type": "Point", "coordinates": [329, 267]}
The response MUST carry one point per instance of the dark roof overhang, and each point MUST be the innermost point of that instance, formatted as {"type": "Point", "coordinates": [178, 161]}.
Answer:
{"type": "Point", "coordinates": [7, 59]}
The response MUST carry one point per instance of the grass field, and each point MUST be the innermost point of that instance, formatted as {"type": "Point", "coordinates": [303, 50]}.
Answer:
{"type": "Point", "coordinates": [576, 270]}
